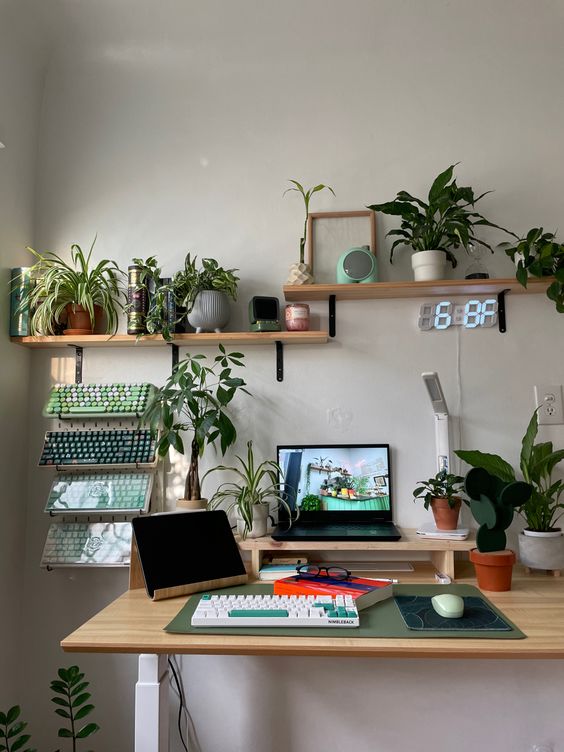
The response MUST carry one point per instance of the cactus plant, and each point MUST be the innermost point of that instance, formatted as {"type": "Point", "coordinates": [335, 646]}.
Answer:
{"type": "Point", "coordinates": [492, 502]}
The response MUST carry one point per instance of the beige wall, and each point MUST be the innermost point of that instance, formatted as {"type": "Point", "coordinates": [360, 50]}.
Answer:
{"type": "Point", "coordinates": [175, 127]}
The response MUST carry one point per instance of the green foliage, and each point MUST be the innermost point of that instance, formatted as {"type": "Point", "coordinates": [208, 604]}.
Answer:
{"type": "Point", "coordinates": [194, 398]}
{"type": "Point", "coordinates": [188, 282]}
{"type": "Point", "coordinates": [540, 255]}
{"type": "Point", "coordinates": [256, 484]}
{"type": "Point", "coordinates": [537, 463]}
{"type": "Point", "coordinates": [306, 194]}
{"type": "Point", "coordinates": [446, 220]}
{"type": "Point", "coordinates": [157, 320]}
{"type": "Point", "coordinates": [58, 284]}
{"type": "Point", "coordinates": [12, 735]}
{"type": "Point", "coordinates": [443, 486]}
{"type": "Point", "coordinates": [360, 484]}
{"type": "Point", "coordinates": [72, 701]}
{"type": "Point", "coordinates": [72, 704]}
{"type": "Point", "coordinates": [492, 503]}
{"type": "Point", "coordinates": [310, 503]}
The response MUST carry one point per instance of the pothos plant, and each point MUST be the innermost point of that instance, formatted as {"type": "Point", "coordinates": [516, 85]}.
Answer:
{"type": "Point", "coordinates": [195, 398]}
{"type": "Point", "coordinates": [444, 221]}
{"type": "Point", "coordinates": [443, 486]}
{"type": "Point", "coordinates": [159, 291]}
{"type": "Point", "coordinates": [191, 280]}
{"type": "Point", "coordinates": [72, 701]}
{"type": "Point", "coordinates": [306, 194]}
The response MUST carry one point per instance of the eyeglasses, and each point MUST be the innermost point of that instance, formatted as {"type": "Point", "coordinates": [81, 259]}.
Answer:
{"type": "Point", "coordinates": [314, 570]}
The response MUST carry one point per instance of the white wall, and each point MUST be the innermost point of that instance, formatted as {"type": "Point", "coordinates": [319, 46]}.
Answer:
{"type": "Point", "coordinates": [174, 127]}
{"type": "Point", "coordinates": [21, 68]}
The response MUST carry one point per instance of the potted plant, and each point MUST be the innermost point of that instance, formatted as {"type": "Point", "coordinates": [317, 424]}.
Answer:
{"type": "Point", "coordinates": [78, 289]}
{"type": "Point", "coordinates": [300, 273]}
{"type": "Point", "coordinates": [492, 502]}
{"type": "Point", "coordinates": [250, 496]}
{"type": "Point", "coordinates": [442, 494]}
{"type": "Point", "coordinates": [541, 543]}
{"type": "Point", "coordinates": [194, 398]}
{"type": "Point", "coordinates": [205, 293]}
{"type": "Point", "coordinates": [539, 254]}
{"type": "Point", "coordinates": [433, 228]}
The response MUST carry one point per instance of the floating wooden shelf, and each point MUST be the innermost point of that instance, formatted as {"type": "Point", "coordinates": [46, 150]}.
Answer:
{"type": "Point", "coordinates": [437, 288]}
{"type": "Point", "coordinates": [182, 340]}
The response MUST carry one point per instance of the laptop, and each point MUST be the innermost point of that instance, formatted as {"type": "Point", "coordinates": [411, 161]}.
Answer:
{"type": "Point", "coordinates": [342, 492]}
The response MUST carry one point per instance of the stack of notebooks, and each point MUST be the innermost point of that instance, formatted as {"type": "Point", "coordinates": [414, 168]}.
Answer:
{"type": "Point", "coordinates": [366, 592]}
{"type": "Point", "coordinates": [280, 567]}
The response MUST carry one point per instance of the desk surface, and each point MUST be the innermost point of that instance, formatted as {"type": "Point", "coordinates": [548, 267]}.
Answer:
{"type": "Point", "coordinates": [134, 624]}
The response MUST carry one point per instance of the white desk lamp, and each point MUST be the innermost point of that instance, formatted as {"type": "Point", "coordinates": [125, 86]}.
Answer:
{"type": "Point", "coordinates": [440, 410]}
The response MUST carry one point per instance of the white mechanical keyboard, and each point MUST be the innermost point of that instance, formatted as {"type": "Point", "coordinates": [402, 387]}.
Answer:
{"type": "Point", "coordinates": [275, 611]}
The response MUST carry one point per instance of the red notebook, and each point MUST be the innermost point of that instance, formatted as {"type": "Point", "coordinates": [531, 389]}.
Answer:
{"type": "Point", "coordinates": [364, 591]}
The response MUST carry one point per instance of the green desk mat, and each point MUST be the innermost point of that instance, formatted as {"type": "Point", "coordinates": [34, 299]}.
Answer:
{"type": "Point", "coordinates": [418, 613]}
{"type": "Point", "coordinates": [381, 620]}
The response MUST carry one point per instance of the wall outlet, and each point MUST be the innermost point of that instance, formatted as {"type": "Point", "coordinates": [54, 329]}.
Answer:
{"type": "Point", "coordinates": [549, 399]}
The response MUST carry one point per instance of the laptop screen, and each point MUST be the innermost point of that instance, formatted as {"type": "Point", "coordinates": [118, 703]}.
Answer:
{"type": "Point", "coordinates": [351, 480]}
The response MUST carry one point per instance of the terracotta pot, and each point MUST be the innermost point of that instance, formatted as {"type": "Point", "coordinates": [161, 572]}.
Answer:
{"type": "Point", "coordinates": [446, 517]}
{"type": "Point", "coordinates": [493, 569]}
{"type": "Point", "coordinates": [78, 319]}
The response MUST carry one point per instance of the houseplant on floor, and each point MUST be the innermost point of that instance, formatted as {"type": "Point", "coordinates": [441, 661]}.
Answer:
{"type": "Point", "coordinates": [437, 226]}
{"type": "Point", "coordinates": [205, 293]}
{"type": "Point", "coordinates": [300, 273]}
{"type": "Point", "coordinates": [78, 289]}
{"type": "Point", "coordinates": [539, 254]}
{"type": "Point", "coordinates": [250, 495]}
{"type": "Point", "coordinates": [442, 494]}
{"type": "Point", "coordinates": [541, 544]}
{"type": "Point", "coordinates": [194, 398]}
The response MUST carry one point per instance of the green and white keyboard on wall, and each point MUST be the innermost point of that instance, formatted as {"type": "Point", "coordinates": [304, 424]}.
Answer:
{"type": "Point", "coordinates": [104, 472]}
{"type": "Point", "coordinates": [69, 401]}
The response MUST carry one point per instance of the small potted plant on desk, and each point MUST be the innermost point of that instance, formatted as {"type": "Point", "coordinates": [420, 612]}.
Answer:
{"type": "Point", "coordinates": [433, 228]}
{"type": "Point", "coordinates": [442, 494]}
{"type": "Point", "coordinates": [79, 290]}
{"type": "Point", "coordinates": [541, 543]}
{"type": "Point", "coordinates": [195, 398]}
{"type": "Point", "coordinates": [250, 496]}
{"type": "Point", "coordinates": [539, 254]}
{"type": "Point", "coordinates": [492, 503]}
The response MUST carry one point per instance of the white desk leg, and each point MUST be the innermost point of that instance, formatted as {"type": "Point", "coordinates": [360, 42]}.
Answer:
{"type": "Point", "coordinates": [151, 704]}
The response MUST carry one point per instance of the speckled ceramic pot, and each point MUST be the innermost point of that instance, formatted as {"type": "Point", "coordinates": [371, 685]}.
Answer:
{"type": "Point", "coordinates": [210, 312]}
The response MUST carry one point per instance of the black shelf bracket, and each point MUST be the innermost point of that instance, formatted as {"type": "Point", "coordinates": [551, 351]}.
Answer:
{"type": "Point", "coordinates": [501, 317]}
{"type": "Point", "coordinates": [78, 361]}
{"type": "Point", "coordinates": [332, 316]}
{"type": "Point", "coordinates": [279, 361]}
{"type": "Point", "coordinates": [174, 355]}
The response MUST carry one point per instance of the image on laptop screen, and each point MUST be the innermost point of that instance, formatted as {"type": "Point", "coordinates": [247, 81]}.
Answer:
{"type": "Point", "coordinates": [336, 478]}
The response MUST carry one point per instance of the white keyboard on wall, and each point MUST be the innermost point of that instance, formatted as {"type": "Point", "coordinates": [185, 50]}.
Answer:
{"type": "Point", "coordinates": [275, 611]}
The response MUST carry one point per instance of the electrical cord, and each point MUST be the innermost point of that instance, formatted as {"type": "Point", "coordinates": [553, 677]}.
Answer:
{"type": "Point", "coordinates": [191, 734]}
{"type": "Point", "coordinates": [180, 705]}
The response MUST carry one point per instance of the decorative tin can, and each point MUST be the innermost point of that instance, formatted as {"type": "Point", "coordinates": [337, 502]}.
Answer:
{"type": "Point", "coordinates": [21, 284]}
{"type": "Point", "coordinates": [137, 301]}
{"type": "Point", "coordinates": [297, 317]}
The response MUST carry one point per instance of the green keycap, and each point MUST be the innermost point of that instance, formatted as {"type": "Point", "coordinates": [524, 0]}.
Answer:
{"type": "Point", "coordinates": [352, 614]}
{"type": "Point", "coordinates": [331, 614]}
{"type": "Point", "coordinates": [86, 409]}
{"type": "Point", "coordinates": [206, 597]}
{"type": "Point", "coordinates": [259, 612]}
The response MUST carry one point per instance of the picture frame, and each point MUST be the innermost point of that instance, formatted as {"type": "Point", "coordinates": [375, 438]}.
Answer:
{"type": "Point", "coordinates": [331, 239]}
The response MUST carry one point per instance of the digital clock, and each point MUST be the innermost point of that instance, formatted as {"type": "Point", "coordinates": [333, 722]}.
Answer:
{"type": "Point", "coordinates": [473, 314]}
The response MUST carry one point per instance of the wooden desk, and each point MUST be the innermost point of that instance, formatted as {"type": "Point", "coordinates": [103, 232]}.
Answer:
{"type": "Point", "coordinates": [134, 624]}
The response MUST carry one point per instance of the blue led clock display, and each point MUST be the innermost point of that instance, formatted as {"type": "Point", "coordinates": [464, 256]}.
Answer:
{"type": "Point", "coordinates": [473, 314]}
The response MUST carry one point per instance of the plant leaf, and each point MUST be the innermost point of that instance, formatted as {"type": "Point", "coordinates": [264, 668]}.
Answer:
{"type": "Point", "coordinates": [494, 464]}
{"type": "Point", "coordinates": [87, 730]}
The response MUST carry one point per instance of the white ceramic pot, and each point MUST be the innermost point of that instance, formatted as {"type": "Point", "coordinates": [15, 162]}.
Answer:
{"type": "Point", "coordinates": [210, 312]}
{"type": "Point", "coordinates": [260, 522]}
{"type": "Point", "coordinates": [428, 265]}
{"type": "Point", "coordinates": [542, 550]}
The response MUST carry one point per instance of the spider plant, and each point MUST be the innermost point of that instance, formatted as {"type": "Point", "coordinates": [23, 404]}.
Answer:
{"type": "Point", "coordinates": [306, 195]}
{"type": "Point", "coordinates": [255, 485]}
{"type": "Point", "coordinates": [59, 284]}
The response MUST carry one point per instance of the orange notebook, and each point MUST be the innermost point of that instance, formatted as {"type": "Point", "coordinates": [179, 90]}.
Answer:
{"type": "Point", "coordinates": [364, 591]}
